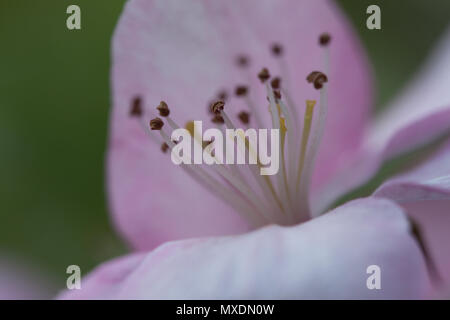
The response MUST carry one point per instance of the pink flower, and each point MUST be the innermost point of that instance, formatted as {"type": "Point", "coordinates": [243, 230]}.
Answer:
{"type": "Point", "coordinates": [249, 238]}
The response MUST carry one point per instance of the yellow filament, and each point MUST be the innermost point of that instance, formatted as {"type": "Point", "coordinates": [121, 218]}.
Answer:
{"type": "Point", "coordinates": [305, 136]}
{"type": "Point", "coordinates": [283, 130]}
{"type": "Point", "coordinates": [250, 149]}
{"type": "Point", "coordinates": [190, 127]}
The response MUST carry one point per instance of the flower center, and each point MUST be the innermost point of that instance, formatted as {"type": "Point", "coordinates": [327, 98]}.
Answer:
{"type": "Point", "coordinates": [260, 199]}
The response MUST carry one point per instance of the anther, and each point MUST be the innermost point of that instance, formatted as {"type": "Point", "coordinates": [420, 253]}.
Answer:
{"type": "Point", "coordinates": [164, 147]}
{"type": "Point", "coordinates": [218, 119]}
{"type": "Point", "coordinates": [277, 49]}
{"type": "Point", "coordinates": [242, 61]}
{"type": "Point", "coordinates": [241, 91]}
{"type": "Point", "coordinates": [163, 109]}
{"type": "Point", "coordinates": [244, 117]}
{"type": "Point", "coordinates": [217, 106]}
{"type": "Point", "coordinates": [264, 75]}
{"type": "Point", "coordinates": [206, 143]}
{"type": "Point", "coordinates": [317, 78]}
{"type": "Point", "coordinates": [275, 83]}
{"type": "Point", "coordinates": [324, 39]}
{"type": "Point", "coordinates": [222, 95]}
{"type": "Point", "coordinates": [277, 94]}
{"type": "Point", "coordinates": [136, 107]}
{"type": "Point", "coordinates": [156, 124]}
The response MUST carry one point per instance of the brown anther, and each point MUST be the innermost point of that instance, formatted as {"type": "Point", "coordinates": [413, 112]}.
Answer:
{"type": "Point", "coordinates": [277, 49]}
{"type": "Point", "coordinates": [217, 106]}
{"type": "Point", "coordinates": [164, 147]}
{"type": "Point", "coordinates": [242, 61]}
{"type": "Point", "coordinates": [241, 91]}
{"type": "Point", "coordinates": [156, 124]}
{"type": "Point", "coordinates": [218, 119]}
{"type": "Point", "coordinates": [222, 95]}
{"type": "Point", "coordinates": [163, 109]}
{"type": "Point", "coordinates": [208, 106]}
{"type": "Point", "coordinates": [317, 78]}
{"type": "Point", "coordinates": [136, 107]}
{"type": "Point", "coordinates": [324, 39]}
{"type": "Point", "coordinates": [275, 83]}
{"type": "Point", "coordinates": [206, 143]}
{"type": "Point", "coordinates": [244, 117]}
{"type": "Point", "coordinates": [264, 75]}
{"type": "Point", "coordinates": [277, 94]}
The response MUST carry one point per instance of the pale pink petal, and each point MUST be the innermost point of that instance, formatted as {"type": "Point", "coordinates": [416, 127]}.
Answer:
{"type": "Point", "coordinates": [363, 165]}
{"type": "Point", "coordinates": [427, 94]}
{"type": "Point", "coordinates": [420, 114]}
{"type": "Point", "coordinates": [324, 258]}
{"type": "Point", "coordinates": [429, 181]}
{"type": "Point", "coordinates": [425, 193]}
{"type": "Point", "coordinates": [184, 52]}
{"type": "Point", "coordinates": [106, 280]}
{"type": "Point", "coordinates": [433, 218]}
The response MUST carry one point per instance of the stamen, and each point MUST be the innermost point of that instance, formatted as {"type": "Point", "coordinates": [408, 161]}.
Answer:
{"type": "Point", "coordinates": [244, 208]}
{"type": "Point", "coordinates": [136, 107]}
{"type": "Point", "coordinates": [241, 91]}
{"type": "Point", "coordinates": [277, 95]}
{"type": "Point", "coordinates": [277, 49]}
{"type": "Point", "coordinates": [163, 109]}
{"type": "Point", "coordinates": [164, 147]}
{"type": "Point", "coordinates": [217, 119]}
{"type": "Point", "coordinates": [283, 130]}
{"type": "Point", "coordinates": [317, 78]}
{"type": "Point", "coordinates": [244, 117]}
{"type": "Point", "coordinates": [264, 75]}
{"type": "Point", "coordinates": [222, 95]}
{"type": "Point", "coordinates": [276, 122]}
{"type": "Point", "coordinates": [324, 39]}
{"type": "Point", "coordinates": [242, 61]}
{"type": "Point", "coordinates": [217, 106]}
{"type": "Point", "coordinates": [156, 124]}
{"type": "Point", "coordinates": [291, 146]}
{"type": "Point", "coordinates": [305, 136]}
{"type": "Point", "coordinates": [234, 180]}
{"type": "Point", "coordinates": [265, 182]}
{"type": "Point", "coordinates": [313, 148]}
{"type": "Point", "coordinates": [276, 83]}
{"type": "Point", "coordinates": [283, 203]}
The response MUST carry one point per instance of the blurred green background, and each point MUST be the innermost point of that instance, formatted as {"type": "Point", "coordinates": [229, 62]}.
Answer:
{"type": "Point", "coordinates": [54, 105]}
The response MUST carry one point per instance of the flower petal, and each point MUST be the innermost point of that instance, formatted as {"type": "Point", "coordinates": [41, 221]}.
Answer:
{"type": "Point", "coordinates": [183, 52]}
{"type": "Point", "coordinates": [420, 114]}
{"type": "Point", "coordinates": [433, 219]}
{"type": "Point", "coordinates": [324, 258]}
{"type": "Point", "coordinates": [430, 181]}
{"type": "Point", "coordinates": [425, 194]}
{"type": "Point", "coordinates": [426, 95]}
